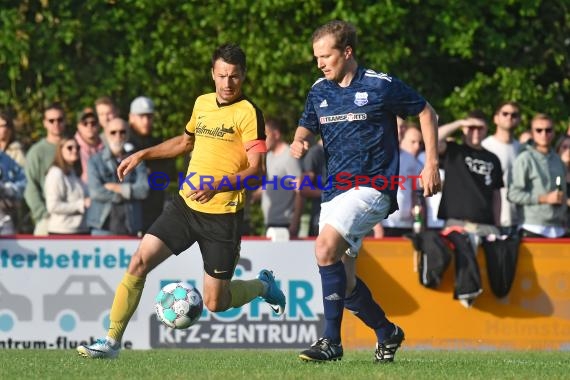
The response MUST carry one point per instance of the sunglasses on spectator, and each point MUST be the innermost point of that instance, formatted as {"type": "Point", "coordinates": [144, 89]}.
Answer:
{"type": "Point", "coordinates": [121, 132]}
{"type": "Point", "coordinates": [90, 123]}
{"type": "Point", "coordinates": [71, 148]}
{"type": "Point", "coordinates": [474, 127]}
{"type": "Point", "coordinates": [514, 115]}
{"type": "Point", "coordinates": [540, 130]}
{"type": "Point", "coordinates": [59, 120]}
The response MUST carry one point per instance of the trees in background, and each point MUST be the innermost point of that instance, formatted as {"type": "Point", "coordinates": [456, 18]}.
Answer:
{"type": "Point", "coordinates": [461, 55]}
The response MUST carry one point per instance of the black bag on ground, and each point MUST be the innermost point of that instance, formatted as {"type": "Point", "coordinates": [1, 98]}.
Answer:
{"type": "Point", "coordinates": [501, 257]}
{"type": "Point", "coordinates": [434, 257]}
{"type": "Point", "coordinates": [467, 275]}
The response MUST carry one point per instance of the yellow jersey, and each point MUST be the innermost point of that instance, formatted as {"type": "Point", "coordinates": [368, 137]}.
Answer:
{"type": "Point", "coordinates": [220, 134]}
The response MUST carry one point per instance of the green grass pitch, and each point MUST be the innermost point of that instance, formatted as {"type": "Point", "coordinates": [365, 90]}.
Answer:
{"type": "Point", "coordinates": [168, 364]}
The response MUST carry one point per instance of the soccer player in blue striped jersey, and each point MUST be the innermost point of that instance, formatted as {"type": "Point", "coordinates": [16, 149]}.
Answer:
{"type": "Point", "coordinates": [354, 109]}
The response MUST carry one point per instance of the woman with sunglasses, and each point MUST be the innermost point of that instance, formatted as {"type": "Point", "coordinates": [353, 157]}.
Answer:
{"type": "Point", "coordinates": [65, 193]}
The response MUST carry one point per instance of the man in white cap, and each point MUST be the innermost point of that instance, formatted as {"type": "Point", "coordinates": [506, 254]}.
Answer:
{"type": "Point", "coordinates": [141, 119]}
{"type": "Point", "coordinates": [141, 116]}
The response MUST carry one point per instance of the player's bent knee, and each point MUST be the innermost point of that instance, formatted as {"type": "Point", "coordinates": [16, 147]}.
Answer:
{"type": "Point", "coordinates": [215, 305]}
{"type": "Point", "coordinates": [325, 253]}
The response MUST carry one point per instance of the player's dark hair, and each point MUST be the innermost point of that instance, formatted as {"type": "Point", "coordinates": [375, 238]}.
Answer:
{"type": "Point", "coordinates": [343, 32]}
{"type": "Point", "coordinates": [230, 53]}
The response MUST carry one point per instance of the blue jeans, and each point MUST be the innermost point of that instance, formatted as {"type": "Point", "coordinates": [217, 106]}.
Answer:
{"type": "Point", "coordinates": [98, 232]}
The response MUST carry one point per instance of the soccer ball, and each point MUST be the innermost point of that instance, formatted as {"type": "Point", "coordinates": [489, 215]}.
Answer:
{"type": "Point", "coordinates": [179, 305]}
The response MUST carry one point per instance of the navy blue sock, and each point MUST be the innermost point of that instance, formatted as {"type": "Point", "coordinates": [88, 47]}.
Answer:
{"type": "Point", "coordinates": [361, 304]}
{"type": "Point", "coordinates": [333, 280]}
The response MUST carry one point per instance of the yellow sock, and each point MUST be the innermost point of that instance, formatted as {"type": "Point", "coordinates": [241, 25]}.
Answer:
{"type": "Point", "coordinates": [245, 291]}
{"type": "Point", "coordinates": [126, 300]}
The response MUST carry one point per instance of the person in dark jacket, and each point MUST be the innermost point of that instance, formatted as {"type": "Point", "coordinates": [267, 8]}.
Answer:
{"type": "Point", "coordinates": [141, 119]}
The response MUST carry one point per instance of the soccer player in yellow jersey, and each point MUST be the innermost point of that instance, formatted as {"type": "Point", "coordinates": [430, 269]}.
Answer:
{"type": "Point", "coordinates": [226, 137]}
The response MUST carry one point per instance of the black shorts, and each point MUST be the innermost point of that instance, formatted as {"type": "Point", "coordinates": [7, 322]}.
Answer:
{"type": "Point", "coordinates": [218, 235]}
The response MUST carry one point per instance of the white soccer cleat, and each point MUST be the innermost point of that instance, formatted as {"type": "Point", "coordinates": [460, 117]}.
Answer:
{"type": "Point", "coordinates": [101, 349]}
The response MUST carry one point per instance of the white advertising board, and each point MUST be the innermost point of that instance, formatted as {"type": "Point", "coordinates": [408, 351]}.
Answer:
{"type": "Point", "coordinates": [57, 293]}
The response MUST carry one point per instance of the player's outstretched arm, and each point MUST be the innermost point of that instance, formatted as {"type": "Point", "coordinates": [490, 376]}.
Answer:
{"type": "Point", "coordinates": [167, 149]}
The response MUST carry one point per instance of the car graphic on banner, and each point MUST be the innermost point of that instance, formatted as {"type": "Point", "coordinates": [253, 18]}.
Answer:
{"type": "Point", "coordinates": [13, 307]}
{"type": "Point", "coordinates": [80, 298]}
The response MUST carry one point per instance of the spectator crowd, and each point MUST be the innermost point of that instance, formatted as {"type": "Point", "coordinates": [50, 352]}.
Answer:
{"type": "Point", "coordinates": [499, 182]}
{"type": "Point", "coordinates": [66, 183]}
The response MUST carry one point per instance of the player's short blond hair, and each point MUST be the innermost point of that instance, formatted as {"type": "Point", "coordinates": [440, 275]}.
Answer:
{"type": "Point", "coordinates": [343, 32]}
